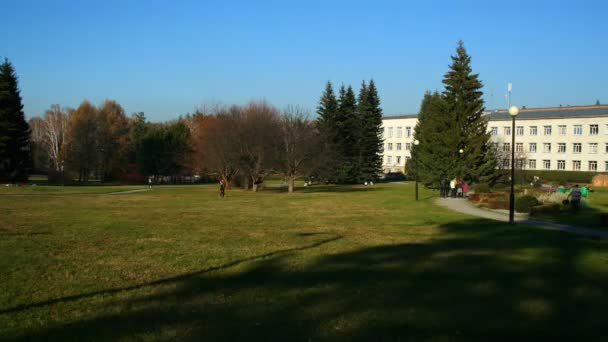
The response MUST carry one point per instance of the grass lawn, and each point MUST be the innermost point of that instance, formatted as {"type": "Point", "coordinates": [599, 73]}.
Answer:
{"type": "Point", "coordinates": [363, 263]}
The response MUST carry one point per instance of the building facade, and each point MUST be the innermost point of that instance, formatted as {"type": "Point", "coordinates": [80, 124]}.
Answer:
{"type": "Point", "coordinates": [560, 138]}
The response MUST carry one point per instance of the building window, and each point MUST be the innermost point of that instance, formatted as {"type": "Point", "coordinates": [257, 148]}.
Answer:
{"type": "Point", "coordinates": [398, 146]}
{"type": "Point", "coordinates": [506, 147]}
{"type": "Point", "coordinates": [594, 130]}
{"type": "Point", "coordinates": [578, 130]}
{"type": "Point", "coordinates": [605, 129]}
{"type": "Point", "coordinates": [507, 130]}
{"type": "Point", "coordinates": [606, 166]}
{"type": "Point", "coordinates": [408, 146]}
{"type": "Point", "coordinates": [399, 132]}
{"type": "Point", "coordinates": [531, 163]}
{"type": "Point", "coordinates": [561, 148]}
{"type": "Point", "coordinates": [547, 164]}
{"type": "Point", "coordinates": [547, 147]}
{"type": "Point", "coordinates": [592, 165]}
{"type": "Point", "coordinates": [576, 165]}
{"type": "Point", "coordinates": [494, 131]}
{"type": "Point", "coordinates": [389, 132]}
{"type": "Point", "coordinates": [533, 130]}
{"type": "Point", "coordinates": [506, 163]}
{"type": "Point", "coordinates": [398, 160]}
{"type": "Point", "coordinates": [577, 148]}
{"type": "Point", "coordinates": [408, 132]}
{"type": "Point", "coordinates": [389, 146]}
{"type": "Point", "coordinates": [519, 147]}
{"type": "Point", "coordinates": [547, 130]}
{"type": "Point", "coordinates": [593, 148]}
{"type": "Point", "coordinates": [561, 129]}
{"type": "Point", "coordinates": [532, 148]}
{"type": "Point", "coordinates": [561, 164]}
{"type": "Point", "coordinates": [389, 159]}
{"type": "Point", "coordinates": [519, 130]}
{"type": "Point", "coordinates": [606, 147]}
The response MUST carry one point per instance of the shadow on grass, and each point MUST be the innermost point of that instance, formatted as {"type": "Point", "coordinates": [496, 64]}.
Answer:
{"type": "Point", "coordinates": [478, 279]}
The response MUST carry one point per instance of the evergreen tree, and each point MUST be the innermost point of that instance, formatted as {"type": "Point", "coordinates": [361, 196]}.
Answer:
{"type": "Point", "coordinates": [15, 150]}
{"type": "Point", "coordinates": [370, 141]}
{"type": "Point", "coordinates": [347, 134]}
{"type": "Point", "coordinates": [451, 122]}
{"type": "Point", "coordinates": [329, 158]}
{"type": "Point", "coordinates": [435, 157]}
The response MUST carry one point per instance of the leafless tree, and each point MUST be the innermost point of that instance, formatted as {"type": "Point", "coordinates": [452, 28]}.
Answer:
{"type": "Point", "coordinates": [298, 145]}
{"type": "Point", "coordinates": [55, 129]}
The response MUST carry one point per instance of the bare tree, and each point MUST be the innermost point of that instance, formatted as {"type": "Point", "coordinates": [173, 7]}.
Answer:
{"type": "Point", "coordinates": [298, 145]}
{"type": "Point", "coordinates": [55, 129]}
{"type": "Point", "coordinates": [258, 131]}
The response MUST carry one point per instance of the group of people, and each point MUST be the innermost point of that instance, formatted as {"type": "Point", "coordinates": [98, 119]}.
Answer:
{"type": "Point", "coordinates": [575, 195]}
{"type": "Point", "coordinates": [454, 188]}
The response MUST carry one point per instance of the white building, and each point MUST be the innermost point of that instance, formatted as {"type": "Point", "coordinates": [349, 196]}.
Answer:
{"type": "Point", "coordinates": [560, 138]}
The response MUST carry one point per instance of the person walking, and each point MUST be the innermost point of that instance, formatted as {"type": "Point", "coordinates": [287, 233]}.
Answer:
{"type": "Point", "coordinates": [575, 197]}
{"type": "Point", "coordinates": [222, 189]}
{"type": "Point", "coordinates": [453, 187]}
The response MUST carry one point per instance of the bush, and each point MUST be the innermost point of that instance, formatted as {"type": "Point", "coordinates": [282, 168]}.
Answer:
{"type": "Point", "coordinates": [545, 209]}
{"type": "Point", "coordinates": [481, 188]}
{"type": "Point", "coordinates": [552, 197]}
{"type": "Point", "coordinates": [525, 203]}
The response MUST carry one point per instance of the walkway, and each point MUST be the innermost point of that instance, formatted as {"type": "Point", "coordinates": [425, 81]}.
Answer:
{"type": "Point", "coordinates": [466, 207]}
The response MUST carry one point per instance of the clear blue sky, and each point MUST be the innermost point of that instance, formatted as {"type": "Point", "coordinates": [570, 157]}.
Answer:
{"type": "Point", "coordinates": [166, 58]}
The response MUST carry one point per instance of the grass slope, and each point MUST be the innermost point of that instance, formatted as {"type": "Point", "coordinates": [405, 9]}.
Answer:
{"type": "Point", "coordinates": [329, 263]}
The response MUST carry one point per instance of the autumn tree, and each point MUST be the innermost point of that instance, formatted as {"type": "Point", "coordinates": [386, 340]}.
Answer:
{"type": "Point", "coordinates": [81, 141]}
{"type": "Point", "coordinates": [55, 129]}
{"type": "Point", "coordinates": [112, 139]}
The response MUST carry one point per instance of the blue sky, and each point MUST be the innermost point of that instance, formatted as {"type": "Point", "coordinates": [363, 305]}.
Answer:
{"type": "Point", "coordinates": [167, 58]}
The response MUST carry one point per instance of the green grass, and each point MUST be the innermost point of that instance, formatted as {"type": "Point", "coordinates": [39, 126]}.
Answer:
{"type": "Point", "coordinates": [363, 263]}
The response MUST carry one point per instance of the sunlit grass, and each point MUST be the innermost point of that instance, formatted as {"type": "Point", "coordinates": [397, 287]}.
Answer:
{"type": "Point", "coordinates": [358, 262]}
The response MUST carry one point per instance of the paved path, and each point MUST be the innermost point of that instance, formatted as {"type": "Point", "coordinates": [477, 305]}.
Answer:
{"type": "Point", "coordinates": [466, 207]}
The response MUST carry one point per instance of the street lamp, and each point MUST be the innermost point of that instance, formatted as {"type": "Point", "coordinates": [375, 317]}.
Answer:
{"type": "Point", "coordinates": [416, 143]}
{"type": "Point", "coordinates": [513, 111]}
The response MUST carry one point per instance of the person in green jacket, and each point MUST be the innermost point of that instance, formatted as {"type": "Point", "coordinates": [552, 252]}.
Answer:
{"type": "Point", "coordinates": [584, 192]}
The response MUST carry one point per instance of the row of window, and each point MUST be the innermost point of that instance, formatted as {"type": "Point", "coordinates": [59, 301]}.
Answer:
{"type": "Point", "coordinates": [397, 160]}
{"type": "Point", "coordinates": [548, 129]}
{"type": "Point", "coordinates": [561, 147]}
{"type": "Point", "coordinates": [388, 132]}
{"type": "Point", "coordinates": [398, 146]}
{"type": "Point", "coordinates": [546, 164]}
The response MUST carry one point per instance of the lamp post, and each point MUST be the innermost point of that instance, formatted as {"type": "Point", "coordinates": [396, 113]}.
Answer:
{"type": "Point", "coordinates": [416, 143]}
{"type": "Point", "coordinates": [513, 111]}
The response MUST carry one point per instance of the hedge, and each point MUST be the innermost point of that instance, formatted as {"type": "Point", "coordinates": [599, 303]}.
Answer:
{"type": "Point", "coordinates": [556, 176]}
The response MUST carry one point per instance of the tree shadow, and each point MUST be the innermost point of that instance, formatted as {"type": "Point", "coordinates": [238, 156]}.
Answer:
{"type": "Point", "coordinates": [478, 279]}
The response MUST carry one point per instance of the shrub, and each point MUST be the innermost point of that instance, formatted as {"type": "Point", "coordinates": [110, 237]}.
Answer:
{"type": "Point", "coordinates": [525, 203]}
{"type": "Point", "coordinates": [545, 209]}
{"type": "Point", "coordinates": [481, 188]}
{"type": "Point", "coordinates": [552, 197]}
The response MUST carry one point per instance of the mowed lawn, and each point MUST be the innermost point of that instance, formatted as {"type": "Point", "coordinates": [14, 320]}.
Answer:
{"type": "Point", "coordinates": [351, 263]}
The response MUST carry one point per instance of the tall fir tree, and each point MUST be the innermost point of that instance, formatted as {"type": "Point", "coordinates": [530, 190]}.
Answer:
{"type": "Point", "coordinates": [15, 148]}
{"type": "Point", "coordinates": [370, 141]}
{"type": "Point", "coordinates": [435, 156]}
{"type": "Point", "coordinates": [347, 135]}
{"type": "Point", "coordinates": [327, 114]}
{"type": "Point", "coordinates": [463, 99]}
{"type": "Point", "coordinates": [452, 121]}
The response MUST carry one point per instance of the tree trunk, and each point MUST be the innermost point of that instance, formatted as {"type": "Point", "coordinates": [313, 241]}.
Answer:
{"type": "Point", "coordinates": [290, 183]}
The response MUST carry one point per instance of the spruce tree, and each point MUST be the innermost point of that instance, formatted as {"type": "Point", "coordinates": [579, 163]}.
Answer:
{"type": "Point", "coordinates": [327, 113]}
{"type": "Point", "coordinates": [15, 149]}
{"type": "Point", "coordinates": [370, 144]}
{"type": "Point", "coordinates": [347, 136]}
{"type": "Point", "coordinates": [463, 99]}
{"type": "Point", "coordinates": [452, 121]}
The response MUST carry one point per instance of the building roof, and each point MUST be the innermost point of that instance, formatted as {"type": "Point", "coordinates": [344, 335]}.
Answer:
{"type": "Point", "coordinates": [552, 112]}
{"type": "Point", "coordinates": [405, 116]}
